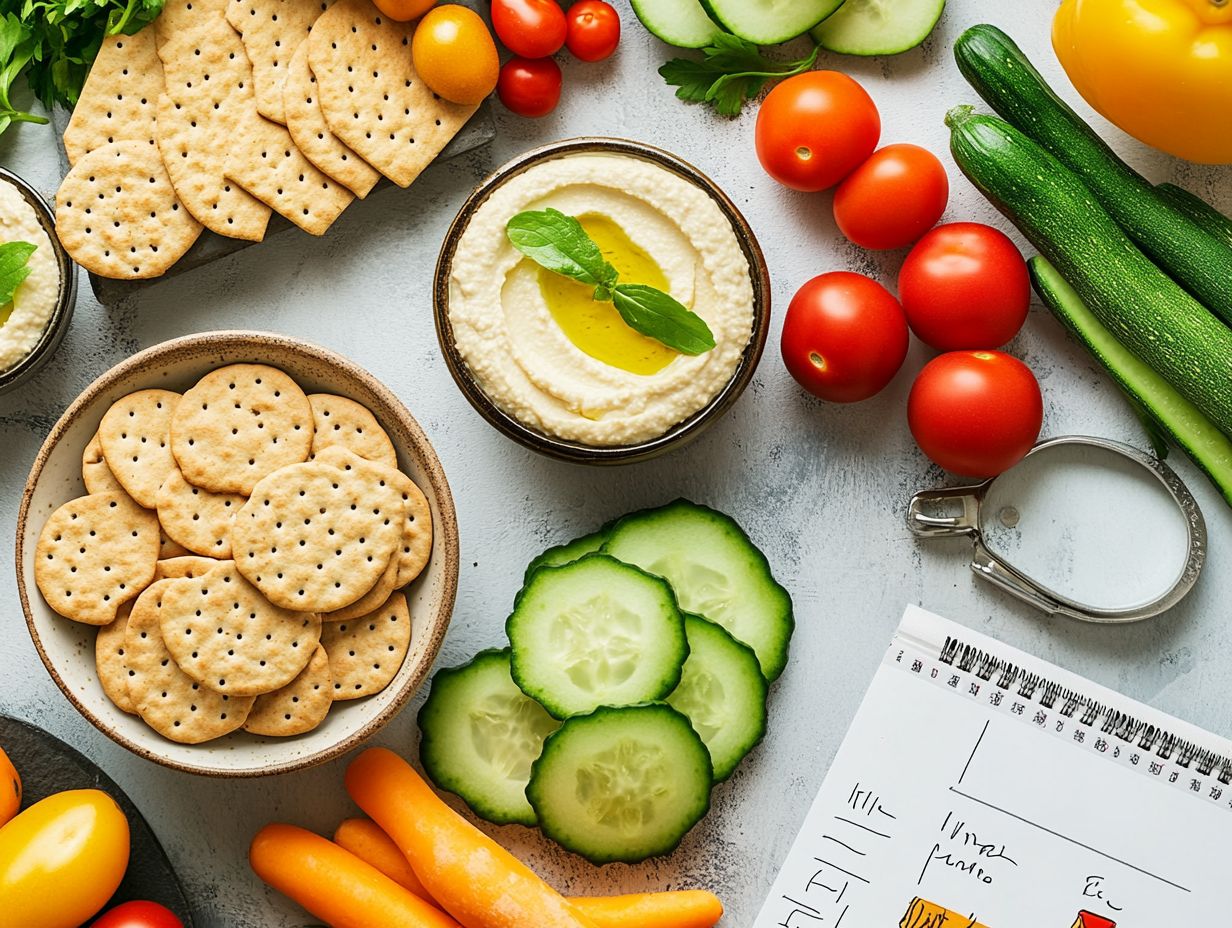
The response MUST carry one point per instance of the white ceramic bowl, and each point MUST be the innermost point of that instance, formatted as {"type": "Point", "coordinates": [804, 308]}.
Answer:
{"type": "Point", "coordinates": [67, 647]}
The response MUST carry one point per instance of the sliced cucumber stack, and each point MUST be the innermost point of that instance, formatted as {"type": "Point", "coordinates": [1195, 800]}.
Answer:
{"type": "Point", "coordinates": [716, 572]}
{"type": "Point", "coordinates": [683, 23]}
{"type": "Point", "coordinates": [621, 784]}
{"type": "Point", "coordinates": [723, 694]}
{"type": "Point", "coordinates": [597, 632]}
{"type": "Point", "coordinates": [878, 27]}
{"type": "Point", "coordinates": [769, 22]}
{"type": "Point", "coordinates": [481, 734]}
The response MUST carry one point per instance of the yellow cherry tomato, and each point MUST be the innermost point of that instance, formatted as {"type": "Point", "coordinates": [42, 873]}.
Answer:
{"type": "Point", "coordinates": [10, 788]}
{"type": "Point", "coordinates": [404, 10]}
{"type": "Point", "coordinates": [454, 54]}
{"type": "Point", "coordinates": [62, 859]}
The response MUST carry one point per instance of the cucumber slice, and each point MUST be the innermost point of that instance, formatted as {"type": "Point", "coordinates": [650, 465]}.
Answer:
{"type": "Point", "coordinates": [596, 632]}
{"type": "Point", "coordinates": [878, 27]}
{"type": "Point", "coordinates": [716, 572]}
{"type": "Point", "coordinates": [723, 694]}
{"type": "Point", "coordinates": [1180, 419]}
{"type": "Point", "coordinates": [682, 23]}
{"type": "Point", "coordinates": [569, 552]}
{"type": "Point", "coordinates": [621, 784]}
{"type": "Point", "coordinates": [769, 22]}
{"type": "Point", "coordinates": [480, 736]}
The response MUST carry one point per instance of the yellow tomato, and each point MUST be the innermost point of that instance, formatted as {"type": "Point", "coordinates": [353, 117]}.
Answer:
{"type": "Point", "coordinates": [454, 54]}
{"type": "Point", "coordinates": [10, 788]}
{"type": "Point", "coordinates": [404, 10]}
{"type": "Point", "coordinates": [61, 859]}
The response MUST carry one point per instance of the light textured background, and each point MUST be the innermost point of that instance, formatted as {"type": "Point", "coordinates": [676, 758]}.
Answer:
{"type": "Point", "coordinates": [822, 488]}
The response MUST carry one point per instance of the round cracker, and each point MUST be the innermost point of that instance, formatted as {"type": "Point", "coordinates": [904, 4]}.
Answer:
{"type": "Point", "coordinates": [237, 425]}
{"type": "Point", "coordinates": [317, 538]}
{"type": "Point", "coordinates": [109, 661]}
{"type": "Point", "coordinates": [167, 699]}
{"type": "Point", "coordinates": [373, 599]}
{"type": "Point", "coordinates": [134, 435]}
{"type": "Point", "coordinates": [338, 421]}
{"type": "Point", "coordinates": [117, 214]}
{"type": "Point", "coordinates": [182, 567]}
{"type": "Point", "coordinates": [299, 706]}
{"type": "Point", "coordinates": [225, 635]}
{"type": "Point", "coordinates": [416, 544]}
{"type": "Point", "coordinates": [365, 654]}
{"type": "Point", "coordinates": [95, 553]}
{"type": "Point", "coordinates": [95, 473]}
{"type": "Point", "coordinates": [196, 518]}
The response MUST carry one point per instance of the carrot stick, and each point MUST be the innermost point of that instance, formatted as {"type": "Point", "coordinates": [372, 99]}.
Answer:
{"type": "Point", "coordinates": [473, 878]}
{"type": "Point", "coordinates": [693, 908]}
{"type": "Point", "coordinates": [335, 885]}
{"type": "Point", "coordinates": [688, 909]}
{"type": "Point", "coordinates": [365, 839]}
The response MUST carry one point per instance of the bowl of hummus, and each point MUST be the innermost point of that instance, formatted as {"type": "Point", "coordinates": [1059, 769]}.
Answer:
{"type": "Point", "coordinates": [558, 368]}
{"type": "Point", "coordinates": [33, 322]}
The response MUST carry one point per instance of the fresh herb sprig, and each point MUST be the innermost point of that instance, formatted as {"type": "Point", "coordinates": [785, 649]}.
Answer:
{"type": "Point", "coordinates": [54, 42]}
{"type": "Point", "coordinates": [731, 72]}
{"type": "Point", "coordinates": [14, 268]}
{"type": "Point", "coordinates": [559, 243]}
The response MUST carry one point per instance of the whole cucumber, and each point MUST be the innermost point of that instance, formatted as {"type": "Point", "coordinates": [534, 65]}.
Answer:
{"type": "Point", "coordinates": [1001, 74]}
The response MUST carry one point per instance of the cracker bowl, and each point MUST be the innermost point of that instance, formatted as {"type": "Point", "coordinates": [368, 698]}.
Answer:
{"type": "Point", "coordinates": [67, 648]}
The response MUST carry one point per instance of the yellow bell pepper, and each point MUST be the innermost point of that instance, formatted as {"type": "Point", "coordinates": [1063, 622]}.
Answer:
{"type": "Point", "coordinates": [1159, 69]}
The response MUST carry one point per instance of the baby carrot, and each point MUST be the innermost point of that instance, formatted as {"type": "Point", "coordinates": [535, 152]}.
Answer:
{"type": "Point", "coordinates": [335, 885]}
{"type": "Point", "coordinates": [472, 877]}
{"type": "Point", "coordinates": [692, 908]}
{"type": "Point", "coordinates": [365, 839]}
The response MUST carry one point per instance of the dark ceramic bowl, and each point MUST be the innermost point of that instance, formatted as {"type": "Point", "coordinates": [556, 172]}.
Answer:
{"type": "Point", "coordinates": [677, 435]}
{"type": "Point", "coordinates": [57, 323]}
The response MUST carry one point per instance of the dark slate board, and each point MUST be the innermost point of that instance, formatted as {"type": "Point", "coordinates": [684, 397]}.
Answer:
{"type": "Point", "coordinates": [47, 765]}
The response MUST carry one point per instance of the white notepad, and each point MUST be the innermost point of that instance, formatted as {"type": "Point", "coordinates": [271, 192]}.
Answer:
{"type": "Point", "coordinates": [981, 786]}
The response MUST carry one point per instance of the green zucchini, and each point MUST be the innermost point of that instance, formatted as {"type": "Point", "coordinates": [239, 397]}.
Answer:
{"type": "Point", "coordinates": [1198, 210]}
{"type": "Point", "coordinates": [1178, 418]}
{"type": "Point", "coordinates": [1142, 307]}
{"type": "Point", "coordinates": [1002, 75]}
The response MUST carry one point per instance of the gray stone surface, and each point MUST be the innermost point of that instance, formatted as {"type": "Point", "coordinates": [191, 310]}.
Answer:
{"type": "Point", "coordinates": [821, 487]}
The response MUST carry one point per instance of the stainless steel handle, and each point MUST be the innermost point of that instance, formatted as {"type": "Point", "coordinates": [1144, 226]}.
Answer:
{"type": "Point", "coordinates": [933, 526]}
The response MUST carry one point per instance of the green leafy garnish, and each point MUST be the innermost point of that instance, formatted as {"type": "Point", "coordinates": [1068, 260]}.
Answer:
{"type": "Point", "coordinates": [14, 268]}
{"type": "Point", "coordinates": [54, 42]}
{"type": "Point", "coordinates": [730, 73]}
{"type": "Point", "coordinates": [559, 243]}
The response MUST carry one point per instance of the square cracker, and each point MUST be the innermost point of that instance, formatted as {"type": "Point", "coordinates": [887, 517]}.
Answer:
{"type": "Point", "coordinates": [370, 94]}
{"type": "Point", "coordinates": [315, 139]}
{"type": "Point", "coordinates": [200, 113]}
{"type": "Point", "coordinates": [120, 98]}
{"type": "Point", "coordinates": [272, 30]}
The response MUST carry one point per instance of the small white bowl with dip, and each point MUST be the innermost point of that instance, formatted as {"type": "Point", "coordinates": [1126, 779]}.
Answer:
{"type": "Point", "coordinates": [33, 325]}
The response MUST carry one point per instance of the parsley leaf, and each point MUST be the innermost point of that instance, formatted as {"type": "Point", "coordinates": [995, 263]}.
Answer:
{"type": "Point", "coordinates": [559, 243]}
{"type": "Point", "coordinates": [730, 73]}
{"type": "Point", "coordinates": [14, 268]}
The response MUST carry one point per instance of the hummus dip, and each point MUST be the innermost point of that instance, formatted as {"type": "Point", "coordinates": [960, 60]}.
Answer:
{"type": "Point", "coordinates": [549, 355]}
{"type": "Point", "coordinates": [36, 296]}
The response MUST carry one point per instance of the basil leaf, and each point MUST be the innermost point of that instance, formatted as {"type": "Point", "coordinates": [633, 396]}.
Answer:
{"type": "Point", "coordinates": [660, 316]}
{"type": "Point", "coordinates": [559, 243]}
{"type": "Point", "coordinates": [14, 268]}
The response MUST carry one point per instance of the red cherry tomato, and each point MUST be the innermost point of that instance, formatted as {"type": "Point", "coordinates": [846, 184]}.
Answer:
{"type": "Point", "coordinates": [139, 915]}
{"type": "Point", "coordinates": [815, 128]}
{"type": "Point", "coordinates": [965, 285]}
{"type": "Point", "coordinates": [893, 198]}
{"type": "Point", "coordinates": [975, 413]}
{"type": "Point", "coordinates": [530, 86]}
{"type": "Point", "coordinates": [844, 337]}
{"type": "Point", "coordinates": [594, 30]}
{"type": "Point", "coordinates": [529, 28]}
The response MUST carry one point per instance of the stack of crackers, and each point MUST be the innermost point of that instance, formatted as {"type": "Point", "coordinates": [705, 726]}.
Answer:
{"type": "Point", "coordinates": [243, 549]}
{"type": "Point", "coordinates": [226, 110]}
